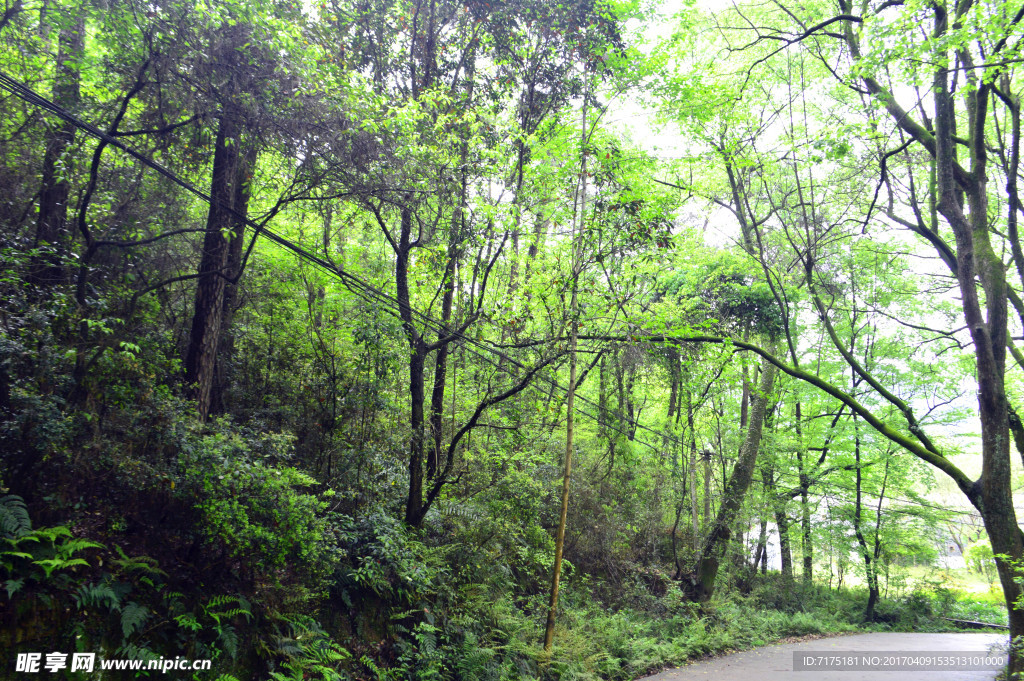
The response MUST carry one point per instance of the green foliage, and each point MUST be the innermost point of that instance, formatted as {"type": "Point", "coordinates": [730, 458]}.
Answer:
{"type": "Point", "coordinates": [261, 515]}
{"type": "Point", "coordinates": [722, 291]}
{"type": "Point", "coordinates": [439, 169]}
{"type": "Point", "coordinates": [384, 559]}
{"type": "Point", "coordinates": [14, 520]}
{"type": "Point", "coordinates": [979, 558]}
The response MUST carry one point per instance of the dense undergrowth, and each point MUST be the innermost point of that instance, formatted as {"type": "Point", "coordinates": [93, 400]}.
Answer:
{"type": "Point", "coordinates": [213, 546]}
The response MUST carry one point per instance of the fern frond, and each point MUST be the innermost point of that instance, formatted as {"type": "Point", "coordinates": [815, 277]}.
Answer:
{"type": "Point", "coordinates": [187, 621]}
{"type": "Point", "coordinates": [229, 640]}
{"type": "Point", "coordinates": [51, 564]}
{"type": "Point", "coordinates": [13, 586]}
{"type": "Point", "coordinates": [95, 595]}
{"type": "Point", "coordinates": [14, 520]}
{"type": "Point", "coordinates": [133, 617]}
{"type": "Point", "coordinates": [73, 546]}
{"type": "Point", "coordinates": [144, 564]}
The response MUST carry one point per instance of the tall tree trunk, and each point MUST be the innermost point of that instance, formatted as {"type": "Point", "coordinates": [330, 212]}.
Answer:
{"type": "Point", "coordinates": [702, 581]}
{"type": "Point", "coordinates": [414, 505]}
{"type": "Point", "coordinates": [779, 502]}
{"type": "Point", "coordinates": [975, 256]}
{"type": "Point", "coordinates": [694, 509]}
{"type": "Point", "coordinates": [761, 553]}
{"type": "Point", "coordinates": [785, 551]}
{"type": "Point", "coordinates": [204, 339]}
{"type": "Point", "coordinates": [440, 375]}
{"type": "Point", "coordinates": [806, 545]}
{"type": "Point", "coordinates": [975, 262]}
{"type": "Point", "coordinates": [241, 191]}
{"type": "Point", "coordinates": [51, 225]}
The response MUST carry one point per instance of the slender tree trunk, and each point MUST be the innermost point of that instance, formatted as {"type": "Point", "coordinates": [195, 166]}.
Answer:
{"type": "Point", "coordinates": [870, 570]}
{"type": "Point", "coordinates": [760, 555]}
{"type": "Point", "coordinates": [456, 235]}
{"type": "Point", "coordinates": [604, 413]}
{"type": "Point", "coordinates": [785, 552]}
{"type": "Point", "coordinates": [780, 512]}
{"type": "Point", "coordinates": [441, 357]}
{"type": "Point", "coordinates": [806, 538]}
{"type": "Point", "coordinates": [556, 575]}
{"type": "Point", "coordinates": [806, 543]}
{"type": "Point", "coordinates": [414, 506]}
{"type": "Point", "coordinates": [414, 509]}
{"type": "Point", "coordinates": [706, 455]}
{"type": "Point", "coordinates": [694, 514]}
{"type": "Point", "coordinates": [675, 542]}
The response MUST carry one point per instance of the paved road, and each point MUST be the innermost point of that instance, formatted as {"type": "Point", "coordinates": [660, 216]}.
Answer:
{"type": "Point", "coordinates": [776, 663]}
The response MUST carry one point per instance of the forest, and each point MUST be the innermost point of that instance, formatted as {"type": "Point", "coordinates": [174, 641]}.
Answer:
{"type": "Point", "coordinates": [507, 339]}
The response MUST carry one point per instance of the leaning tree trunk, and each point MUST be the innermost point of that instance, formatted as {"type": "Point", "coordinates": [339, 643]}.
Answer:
{"type": "Point", "coordinates": [974, 262]}
{"type": "Point", "coordinates": [988, 329]}
{"type": "Point", "coordinates": [702, 580]}
{"type": "Point", "coordinates": [761, 552]}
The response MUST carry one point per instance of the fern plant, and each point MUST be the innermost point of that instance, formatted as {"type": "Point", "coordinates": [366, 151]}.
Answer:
{"type": "Point", "coordinates": [26, 552]}
{"type": "Point", "coordinates": [309, 651]}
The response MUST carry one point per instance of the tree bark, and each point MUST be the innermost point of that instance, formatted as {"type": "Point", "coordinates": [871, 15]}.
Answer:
{"type": "Point", "coordinates": [870, 569]}
{"type": "Point", "coordinates": [570, 422]}
{"type": "Point", "coordinates": [975, 262]}
{"type": "Point", "coordinates": [204, 338]}
{"type": "Point", "coordinates": [51, 224]}
{"type": "Point", "coordinates": [692, 470]}
{"type": "Point", "coordinates": [975, 256]}
{"type": "Point", "coordinates": [414, 506]}
{"type": "Point", "coordinates": [241, 191]}
{"type": "Point", "coordinates": [702, 580]}
{"type": "Point", "coordinates": [806, 544]}
{"type": "Point", "coordinates": [785, 551]}
{"type": "Point", "coordinates": [456, 235]}
{"type": "Point", "coordinates": [761, 553]}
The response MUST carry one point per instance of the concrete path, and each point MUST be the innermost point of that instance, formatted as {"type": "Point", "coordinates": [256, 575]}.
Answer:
{"type": "Point", "coordinates": [862, 657]}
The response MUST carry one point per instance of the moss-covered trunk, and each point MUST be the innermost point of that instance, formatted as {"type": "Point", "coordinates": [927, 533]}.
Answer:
{"type": "Point", "coordinates": [702, 579]}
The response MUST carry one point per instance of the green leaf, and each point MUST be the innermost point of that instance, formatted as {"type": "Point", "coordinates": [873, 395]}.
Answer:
{"type": "Point", "coordinates": [132, 618]}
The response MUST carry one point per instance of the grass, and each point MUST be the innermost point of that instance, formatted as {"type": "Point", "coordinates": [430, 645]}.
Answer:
{"type": "Point", "coordinates": [594, 643]}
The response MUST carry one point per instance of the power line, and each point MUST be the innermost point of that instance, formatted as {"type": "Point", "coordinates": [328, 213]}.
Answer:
{"type": "Point", "coordinates": [355, 284]}
{"type": "Point", "coordinates": [361, 288]}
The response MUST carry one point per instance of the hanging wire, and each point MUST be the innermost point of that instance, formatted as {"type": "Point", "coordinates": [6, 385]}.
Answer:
{"type": "Point", "coordinates": [363, 289]}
